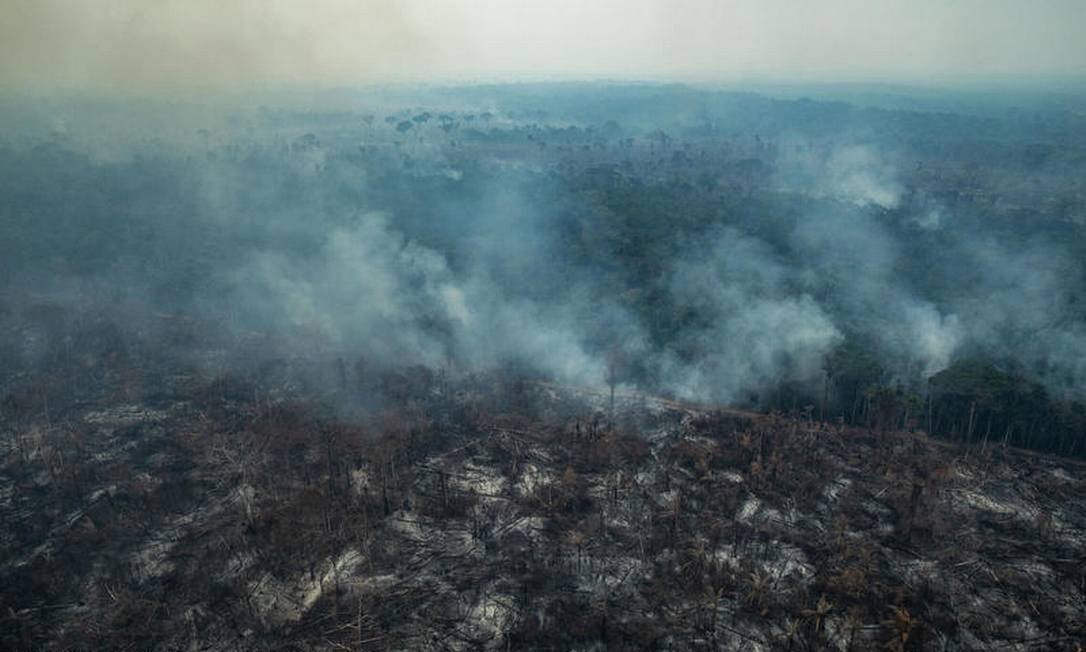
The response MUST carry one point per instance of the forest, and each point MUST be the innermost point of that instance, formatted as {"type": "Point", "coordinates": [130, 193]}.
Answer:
{"type": "Point", "coordinates": [889, 267]}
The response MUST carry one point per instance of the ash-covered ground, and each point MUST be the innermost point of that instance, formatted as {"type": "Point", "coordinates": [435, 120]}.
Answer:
{"type": "Point", "coordinates": [179, 510]}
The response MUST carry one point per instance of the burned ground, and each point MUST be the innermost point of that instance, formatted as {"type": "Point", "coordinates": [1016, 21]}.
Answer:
{"type": "Point", "coordinates": [183, 511]}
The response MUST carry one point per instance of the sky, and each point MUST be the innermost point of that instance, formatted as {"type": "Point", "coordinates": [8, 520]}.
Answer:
{"type": "Point", "coordinates": [154, 46]}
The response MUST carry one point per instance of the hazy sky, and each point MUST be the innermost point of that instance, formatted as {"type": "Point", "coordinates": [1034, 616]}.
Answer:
{"type": "Point", "coordinates": [163, 45]}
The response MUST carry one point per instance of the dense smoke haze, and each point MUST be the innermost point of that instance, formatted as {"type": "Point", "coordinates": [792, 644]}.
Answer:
{"type": "Point", "coordinates": [179, 47]}
{"type": "Point", "coordinates": [718, 245]}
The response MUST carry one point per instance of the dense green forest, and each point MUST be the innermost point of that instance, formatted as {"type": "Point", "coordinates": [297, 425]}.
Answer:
{"type": "Point", "coordinates": [882, 263]}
